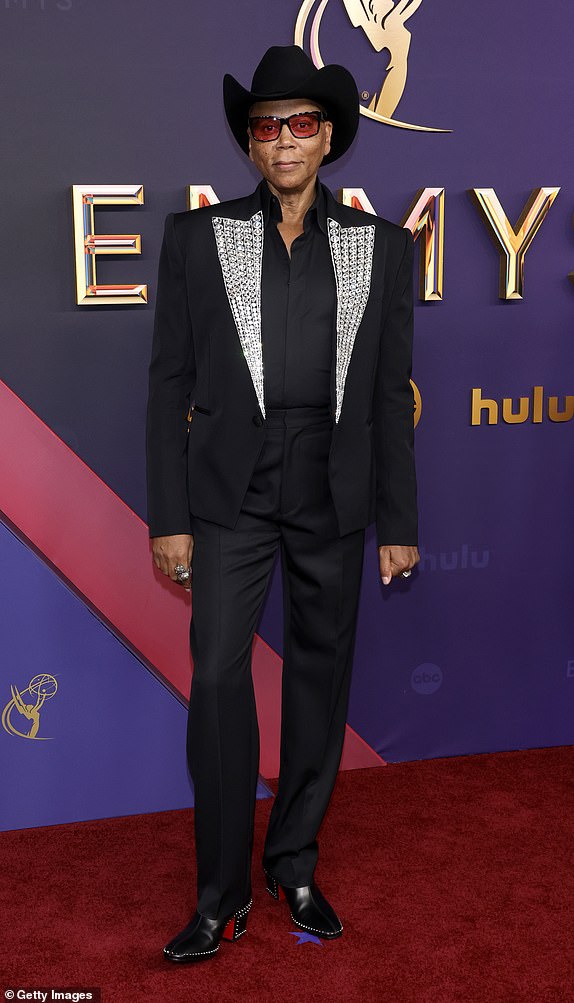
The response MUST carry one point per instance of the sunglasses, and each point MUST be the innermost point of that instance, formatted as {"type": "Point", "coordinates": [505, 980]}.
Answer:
{"type": "Point", "coordinates": [303, 125]}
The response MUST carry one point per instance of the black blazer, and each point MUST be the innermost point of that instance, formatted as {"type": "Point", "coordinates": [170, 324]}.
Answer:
{"type": "Point", "coordinates": [206, 355]}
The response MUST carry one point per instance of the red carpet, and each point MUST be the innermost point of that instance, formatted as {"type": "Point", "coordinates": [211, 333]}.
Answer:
{"type": "Point", "coordinates": [454, 880]}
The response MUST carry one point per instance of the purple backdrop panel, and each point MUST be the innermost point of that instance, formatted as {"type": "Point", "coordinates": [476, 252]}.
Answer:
{"type": "Point", "coordinates": [110, 739]}
{"type": "Point", "coordinates": [476, 652]}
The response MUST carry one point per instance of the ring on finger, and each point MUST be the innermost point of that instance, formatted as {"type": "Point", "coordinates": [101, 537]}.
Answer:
{"type": "Point", "coordinates": [182, 574]}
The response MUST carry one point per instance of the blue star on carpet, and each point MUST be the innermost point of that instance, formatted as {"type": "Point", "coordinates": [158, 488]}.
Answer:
{"type": "Point", "coordinates": [305, 938]}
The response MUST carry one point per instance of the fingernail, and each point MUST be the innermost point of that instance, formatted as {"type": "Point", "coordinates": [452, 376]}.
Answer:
{"type": "Point", "coordinates": [386, 580]}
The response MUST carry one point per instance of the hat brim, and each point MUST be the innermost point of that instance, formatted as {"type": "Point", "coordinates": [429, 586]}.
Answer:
{"type": "Point", "coordinates": [332, 86]}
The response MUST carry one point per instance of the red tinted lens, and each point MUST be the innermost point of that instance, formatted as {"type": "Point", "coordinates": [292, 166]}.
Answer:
{"type": "Point", "coordinates": [264, 128]}
{"type": "Point", "coordinates": [304, 125]}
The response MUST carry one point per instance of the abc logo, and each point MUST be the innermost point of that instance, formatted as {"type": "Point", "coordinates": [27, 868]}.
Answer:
{"type": "Point", "coordinates": [426, 678]}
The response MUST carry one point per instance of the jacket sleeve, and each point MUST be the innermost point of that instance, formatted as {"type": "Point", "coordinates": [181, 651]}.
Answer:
{"type": "Point", "coordinates": [393, 414]}
{"type": "Point", "coordinates": [171, 381]}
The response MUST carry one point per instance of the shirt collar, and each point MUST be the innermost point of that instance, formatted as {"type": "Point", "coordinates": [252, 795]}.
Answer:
{"type": "Point", "coordinates": [272, 207]}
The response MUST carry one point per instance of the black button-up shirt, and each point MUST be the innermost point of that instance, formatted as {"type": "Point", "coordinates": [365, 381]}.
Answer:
{"type": "Point", "coordinates": [298, 308]}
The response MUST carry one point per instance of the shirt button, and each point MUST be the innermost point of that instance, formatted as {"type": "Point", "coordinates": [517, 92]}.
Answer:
{"type": "Point", "coordinates": [257, 419]}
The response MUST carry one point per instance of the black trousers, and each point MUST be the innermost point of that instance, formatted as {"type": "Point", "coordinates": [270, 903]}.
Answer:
{"type": "Point", "coordinates": [288, 505]}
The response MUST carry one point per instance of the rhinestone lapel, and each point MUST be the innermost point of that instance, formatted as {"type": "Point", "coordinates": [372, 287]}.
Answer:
{"type": "Point", "coordinates": [240, 250]}
{"type": "Point", "coordinates": [352, 255]}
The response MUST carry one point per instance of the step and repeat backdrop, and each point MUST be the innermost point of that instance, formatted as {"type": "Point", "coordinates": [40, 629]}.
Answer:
{"type": "Point", "coordinates": [113, 117]}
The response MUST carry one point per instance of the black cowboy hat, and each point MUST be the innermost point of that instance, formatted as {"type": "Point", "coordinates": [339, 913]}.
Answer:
{"type": "Point", "coordinates": [287, 72]}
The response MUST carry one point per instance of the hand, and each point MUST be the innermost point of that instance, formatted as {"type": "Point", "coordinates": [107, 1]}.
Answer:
{"type": "Point", "coordinates": [394, 560]}
{"type": "Point", "coordinates": [169, 551]}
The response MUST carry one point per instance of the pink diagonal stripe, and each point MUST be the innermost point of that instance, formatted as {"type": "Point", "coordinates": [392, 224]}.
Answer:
{"type": "Point", "coordinates": [101, 548]}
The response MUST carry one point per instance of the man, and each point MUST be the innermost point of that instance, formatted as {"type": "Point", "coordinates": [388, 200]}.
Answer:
{"type": "Point", "coordinates": [284, 324]}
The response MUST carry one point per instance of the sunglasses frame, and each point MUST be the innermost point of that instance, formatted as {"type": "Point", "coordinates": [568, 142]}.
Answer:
{"type": "Point", "coordinates": [315, 113]}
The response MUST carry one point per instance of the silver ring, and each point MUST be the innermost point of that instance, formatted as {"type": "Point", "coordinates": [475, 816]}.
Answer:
{"type": "Point", "coordinates": [182, 574]}
{"type": "Point", "coordinates": [405, 574]}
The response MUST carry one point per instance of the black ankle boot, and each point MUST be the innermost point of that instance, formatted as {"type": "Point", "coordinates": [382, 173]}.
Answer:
{"type": "Point", "coordinates": [200, 938]}
{"type": "Point", "coordinates": [309, 908]}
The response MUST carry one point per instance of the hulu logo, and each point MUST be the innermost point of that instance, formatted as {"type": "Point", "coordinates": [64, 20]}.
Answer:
{"type": "Point", "coordinates": [535, 408]}
{"type": "Point", "coordinates": [463, 559]}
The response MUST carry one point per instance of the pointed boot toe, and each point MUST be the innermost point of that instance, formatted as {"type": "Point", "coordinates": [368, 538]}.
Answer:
{"type": "Point", "coordinates": [201, 937]}
{"type": "Point", "coordinates": [309, 908]}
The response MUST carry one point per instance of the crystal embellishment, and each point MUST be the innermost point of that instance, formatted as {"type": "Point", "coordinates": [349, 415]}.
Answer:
{"type": "Point", "coordinates": [240, 251]}
{"type": "Point", "coordinates": [352, 255]}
